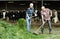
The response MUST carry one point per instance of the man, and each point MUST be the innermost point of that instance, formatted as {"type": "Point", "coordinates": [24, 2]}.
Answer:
{"type": "Point", "coordinates": [29, 13]}
{"type": "Point", "coordinates": [46, 17]}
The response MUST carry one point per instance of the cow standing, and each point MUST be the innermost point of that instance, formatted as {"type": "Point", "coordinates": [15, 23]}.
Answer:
{"type": "Point", "coordinates": [55, 16]}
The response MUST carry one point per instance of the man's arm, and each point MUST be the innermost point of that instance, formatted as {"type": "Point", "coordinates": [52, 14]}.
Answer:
{"type": "Point", "coordinates": [51, 12]}
{"type": "Point", "coordinates": [27, 14]}
{"type": "Point", "coordinates": [42, 19]}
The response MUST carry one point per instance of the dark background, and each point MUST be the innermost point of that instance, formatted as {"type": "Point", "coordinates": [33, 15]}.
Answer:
{"type": "Point", "coordinates": [29, 0]}
{"type": "Point", "coordinates": [22, 5]}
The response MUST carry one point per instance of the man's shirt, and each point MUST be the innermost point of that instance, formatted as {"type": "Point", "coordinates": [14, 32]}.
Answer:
{"type": "Point", "coordinates": [29, 12]}
{"type": "Point", "coordinates": [46, 14]}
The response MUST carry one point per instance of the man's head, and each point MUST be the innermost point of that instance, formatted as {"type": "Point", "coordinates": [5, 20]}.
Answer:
{"type": "Point", "coordinates": [31, 5]}
{"type": "Point", "coordinates": [43, 8]}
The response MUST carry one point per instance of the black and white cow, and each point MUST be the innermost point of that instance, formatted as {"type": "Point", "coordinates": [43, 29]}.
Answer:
{"type": "Point", "coordinates": [55, 16]}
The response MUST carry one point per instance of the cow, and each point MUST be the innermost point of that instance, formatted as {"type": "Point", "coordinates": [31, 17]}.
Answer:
{"type": "Point", "coordinates": [55, 16]}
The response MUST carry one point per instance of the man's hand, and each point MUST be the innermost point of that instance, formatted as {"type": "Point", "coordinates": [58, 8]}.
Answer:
{"type": "Point", "coordinates": [28, 16]}
{"type": "Point", "coordinates": [43, 22]}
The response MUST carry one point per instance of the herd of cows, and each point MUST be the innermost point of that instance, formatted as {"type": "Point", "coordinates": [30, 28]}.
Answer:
{"type": "Point", "coordinates": [15, 15]}
{"type": "Point", "coordinates": [12, 15]}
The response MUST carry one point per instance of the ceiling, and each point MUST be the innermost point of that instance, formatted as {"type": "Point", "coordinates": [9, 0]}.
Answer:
{"type": "Point", "coordinates": [29, 0]}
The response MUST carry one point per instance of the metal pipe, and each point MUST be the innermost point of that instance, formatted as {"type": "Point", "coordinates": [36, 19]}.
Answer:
{"type": "Point", "coordinates": [41, 2]}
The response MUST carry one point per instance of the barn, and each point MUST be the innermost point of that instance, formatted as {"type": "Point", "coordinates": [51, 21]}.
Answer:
{"type": "Point", "coordinates": [16, 9]}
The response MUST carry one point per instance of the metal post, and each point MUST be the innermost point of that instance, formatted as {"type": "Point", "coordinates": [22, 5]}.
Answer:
{"type": "Point", "coordinates": [35, 5]}
{"type": "Point", "coordinates": [6, 6]}
{"type": "Point", "coordinates": [41, 2]}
